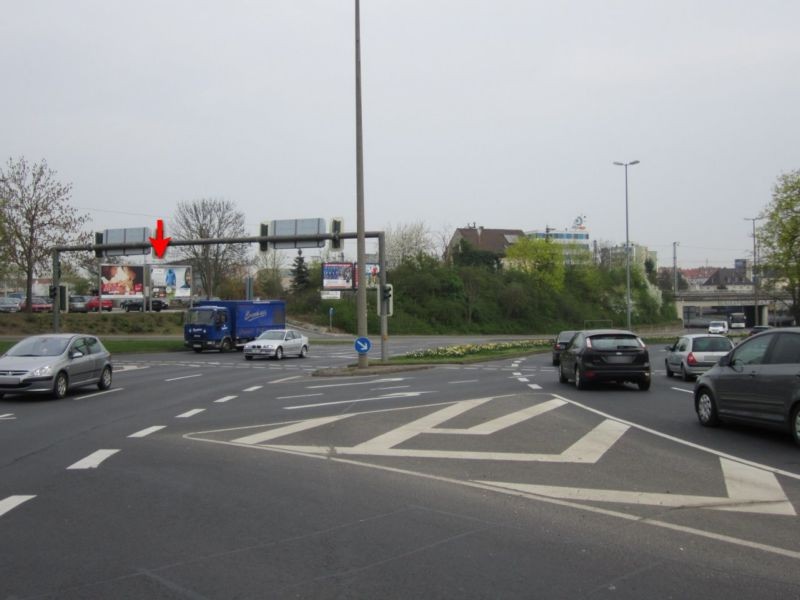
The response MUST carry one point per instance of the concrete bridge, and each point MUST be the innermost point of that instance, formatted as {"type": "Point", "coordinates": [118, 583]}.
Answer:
{"type": "Point", "coordinates": [692, 304]}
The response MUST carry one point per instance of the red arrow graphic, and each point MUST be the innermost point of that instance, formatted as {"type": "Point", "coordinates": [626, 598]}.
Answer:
{"type": "Point", "coordinates": [159, 242]}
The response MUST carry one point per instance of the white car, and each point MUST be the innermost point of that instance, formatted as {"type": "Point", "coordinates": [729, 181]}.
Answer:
{"type": "Point", "coordinates": [277, 343]}
{"type": "Point", "coordinates": [718, 327]}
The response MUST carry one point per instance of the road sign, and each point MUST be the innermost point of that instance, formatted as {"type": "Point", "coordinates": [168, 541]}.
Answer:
{"type": "Point", "coordinates": [127, 236]}
{"type": "Point", "coordinates": [298, 227]}
{"type": "Point", "coordinates": [363, 345]}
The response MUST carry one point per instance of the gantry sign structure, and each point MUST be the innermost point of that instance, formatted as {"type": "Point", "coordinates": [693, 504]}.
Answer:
{"type": "Point", "coordinates": [264, 242]}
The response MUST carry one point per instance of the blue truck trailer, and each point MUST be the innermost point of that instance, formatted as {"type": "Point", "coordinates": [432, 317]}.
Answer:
{"type": "Point", "coordinates": [227, 324]}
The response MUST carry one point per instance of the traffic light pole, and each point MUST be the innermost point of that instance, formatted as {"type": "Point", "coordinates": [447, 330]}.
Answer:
{"type": "Point", "coordinates": [384, 308]}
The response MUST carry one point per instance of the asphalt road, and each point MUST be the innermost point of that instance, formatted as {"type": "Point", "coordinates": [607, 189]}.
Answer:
{"type": "Point", "coordinates": [206, 476]}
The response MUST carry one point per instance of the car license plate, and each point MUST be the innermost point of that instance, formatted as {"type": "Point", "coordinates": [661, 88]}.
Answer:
{"type": "Point", "coordinates": [619, 360]}
{"type": "Point", "coordinates": [197, 345]}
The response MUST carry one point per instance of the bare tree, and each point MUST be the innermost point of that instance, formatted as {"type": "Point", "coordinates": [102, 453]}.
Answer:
{"type": "Point", "coordinates": [37, 216]}
{"type": "Point", "coordinates": [269, 275]}
{"type": "Point", "coordinates": [210, 219]}
{"type": "Point", "coordinates": [406, 241]}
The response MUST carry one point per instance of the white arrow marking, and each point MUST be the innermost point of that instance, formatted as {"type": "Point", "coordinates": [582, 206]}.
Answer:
{"type": "Point", "coordinates": [750, 490]}
{"type": "Point", "coordinates": [12, 502]}
{"type": "Point", "coordinates": [93, 460]}
{"type": "Point", "coordinates": [370, 382]}
{"type": "Point", "coordinates": [185, 377]}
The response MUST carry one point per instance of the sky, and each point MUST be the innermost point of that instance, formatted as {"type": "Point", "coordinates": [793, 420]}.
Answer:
{"type": "Point", "coordinates": [501, 113]}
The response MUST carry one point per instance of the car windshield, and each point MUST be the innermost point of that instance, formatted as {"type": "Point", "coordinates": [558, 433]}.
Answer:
{"type": "Point", "coordinates": [39, 346]}
{"type": "Point", "coordinates": [9, 301]}
{"type": "Point", "coordinates": [614, 342]}
{"type": "Point", "coordinates": [565, 336]}
{"type": "Point", "coordinates": [272, 335]}
{"type": "Point", "coordinates": [717, 324]}
{"type": "Point", "coordinates": [712, 344]}
{"type": "Point", "coordinates": [198, 317]}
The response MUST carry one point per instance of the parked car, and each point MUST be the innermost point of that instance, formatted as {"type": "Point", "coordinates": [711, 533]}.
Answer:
{"type": "Point", "coordinates": [95, 303]}
{"type": "Point", "coordinates": [133, 305]}
{"type": "Point", "coordinates": [718, 327]}
{"type": "Point", "coordinates": [605, 355]}
{"type": "Point", "coordinates": [38, 304]}
{"type": "Point", "coordinates": [9, 305]}
{"type": "Point", "coordinates": [55, 363]}
{"type": "Point", "coordinates": [560, 343]}
{"type": "Point", "coordinates": [77, 304]}
{"type": "Point", "coordinates": [757, 382]}
{"type": "Point", "coordinates": [695, 353]}
{"type": "Point", "coordinates": [758, 329]}
{"type": "Point", "coordinates": [277, 343]}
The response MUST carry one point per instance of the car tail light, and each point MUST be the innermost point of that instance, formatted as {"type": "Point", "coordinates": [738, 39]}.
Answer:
{"type": "Point", "coordinates": [588, 342]}
{"type": "Point", "coordinates": [691, 360]}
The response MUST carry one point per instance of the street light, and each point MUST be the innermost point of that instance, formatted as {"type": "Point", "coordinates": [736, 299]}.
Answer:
{"type": "Point", "coordinates": [627, 243]}
{"type": "Point", "coordinates": [755, 267]}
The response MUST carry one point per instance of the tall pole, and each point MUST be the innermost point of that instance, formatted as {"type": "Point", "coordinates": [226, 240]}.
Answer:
{"type": "Point", "coordinates": [361, 292]}
{"type": "Point", "coordinates": [675, 268]}
{"type": "Point", "coordinates": [627, 245]}
{"type": "Point", "coordinates": [755, 267]}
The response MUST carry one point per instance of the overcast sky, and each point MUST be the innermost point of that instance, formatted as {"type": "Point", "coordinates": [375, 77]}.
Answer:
{"type": "Point", "coordinates": [503, 113]}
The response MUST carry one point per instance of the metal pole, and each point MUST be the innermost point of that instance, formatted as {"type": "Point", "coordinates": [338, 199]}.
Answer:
{"type": "Point", "coordinates": [57, 284]}
{"type": "Point", "coordinates": [384, 308]}
{"type": "Point", "coordinates": [361, 293]}
{"type": "Point", "coordinates": [675, 268]}
{"type": "Point", "coordinates": [755, 267]}
{"type": "Point", "coordinates": [627, 255]}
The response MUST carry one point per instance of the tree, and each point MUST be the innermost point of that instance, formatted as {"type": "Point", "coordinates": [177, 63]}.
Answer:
{"type": "Point", "coordinates": [542, 259]}
{"type": "Point", "coordinates": [406, 241]}
{"type": "Point", "coordinates": [300, 277]}
{"type": "Point", "coordinates": [210, 219]}
{"type": "Point", "coordinates": [779, 238]}
{"type": "Point", "coordinates": [36, 216]}
{"type": "Point", "coordinates": [268, 276]}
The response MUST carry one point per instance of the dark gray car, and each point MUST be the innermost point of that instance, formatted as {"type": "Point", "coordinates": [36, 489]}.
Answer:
{"type": "Point", "coordinates": [55, 363]}
{"type": "Point", "coordinates": [757, 382]}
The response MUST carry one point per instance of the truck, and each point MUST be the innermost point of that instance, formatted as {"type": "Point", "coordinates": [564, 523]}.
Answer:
{"type": "Point", "coordinates": [227, 324]}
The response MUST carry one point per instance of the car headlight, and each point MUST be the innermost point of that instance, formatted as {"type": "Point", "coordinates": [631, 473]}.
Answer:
{"type": "Point", "coordinates": [42, 371]}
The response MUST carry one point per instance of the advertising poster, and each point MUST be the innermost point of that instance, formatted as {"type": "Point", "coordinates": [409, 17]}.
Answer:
{"type": "Point", "coordinates": [337, 276]}
{"type": "Point", "coordinates": [372, 275]}
{"type": "Point", "coordinates": [122, 281]}
{"type": "Point", "coordinates": [171, 282]}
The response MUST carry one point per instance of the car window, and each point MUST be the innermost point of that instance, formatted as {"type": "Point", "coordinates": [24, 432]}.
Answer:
{"type": "Point", "coordinates": [614, 342]}
{"type": "Point", "coordinates": [786, 350]}
{"type": "Point", "coordinates": [751, 352]}
{"type": "Point", "coordinates": [39, 346]}
{"type": "Point", "coordinates": [683, 344]}
{"type": "Point", "coordinates": [565, 336]}
{"type": "Point", "coordinates": [80, 346]}
{"type": "Point", "coordinates": [93, 345]}
{"type": "Point", "coordinates": [712, 344]}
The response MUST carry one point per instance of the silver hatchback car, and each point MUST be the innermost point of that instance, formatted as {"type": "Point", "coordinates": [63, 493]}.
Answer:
{"type": "Point", "coordinates": [695, 353]}
{"type": "Point", "coordinates": [55, 363]}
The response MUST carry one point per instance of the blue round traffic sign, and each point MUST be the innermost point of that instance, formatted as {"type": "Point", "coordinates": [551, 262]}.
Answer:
{"type": "Point", "coordinates": [363, 345]}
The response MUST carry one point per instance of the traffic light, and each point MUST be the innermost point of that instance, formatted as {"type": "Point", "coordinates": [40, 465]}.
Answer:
{"type": "Point", "coordinates": [388, 299]}
{"type": "Point", "coordinates": [336, 229]}
{"type": "Point", "coordinates": [98, 239]}
{"type": "Point", "coordinates": [264, 246]}
{"type": "Point", "coordinates": [53, 292]}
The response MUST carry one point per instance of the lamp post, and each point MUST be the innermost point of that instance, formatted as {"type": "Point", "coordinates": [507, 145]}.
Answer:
{"type": "Point", "coordinates": [361, 292]}
{"type": "Point", "coordinates": [755, 267]}
{"type": "Point", "coordinates": [627, 243]}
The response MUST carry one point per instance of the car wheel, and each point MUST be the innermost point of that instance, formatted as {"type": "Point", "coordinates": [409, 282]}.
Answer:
{"type": "Point", "coordinates": [279, 353]}
{"type": "Point", "coordinates": [579, 382]}
{"type": "Point", "coordinates": [303, 351]}
{"type": "Point", "coordinates": [561, 377]}
{"type": "Point", "coordinates": [248, 357]}
{"type": "Point", "coordinates": [667, 369]}
{"type": "Point", "coordinates": [225, 346]}
{"type": "Point", "coordinates": [555, 362]}
{"type": "Point", "coordinates": [644, 384]}
{"type": "Point", "coordinates": [796, 424]}
{"type": "Point", "coordinates": [706, 408]}
{"type": "Point", "coordinates": [684, 374]}
{"type": "Point", "coordinates": [60, 385]}
{"type": "Point", "coordinates": [105, 379]}
{"type": "Point", "coordinates": [127, 309]}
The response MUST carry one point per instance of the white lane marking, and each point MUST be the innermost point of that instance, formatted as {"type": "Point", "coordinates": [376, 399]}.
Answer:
{"type": "Point", "coordinates": [500, 423]}
{"type": "Point", "coordinates": [93, 460]}
{"type": "Point", "coordinates": [683, 390]}
{"type": "Point", "coordinates": [7, 417]}
{"type": "Point", "coordinates": [126, 368]}
{"type": "Point", "coordinates": [265, 436]}
{"type": "Point", "coordinates": [750, 490]}
{"type": "Point", "coordinates": [396, 395]}
{"type": "Point", "coordinates": [389, 387]}
{"type": "Point", "coordinates": [285, 378]}
{"type": "Point", "coordinates": [146, 432]}
{"type": "Point", "coordinates": [12, 502]}
{"type": "Point", "coordinates": [253, 388]}
{"type": "Point", "coordinates": [534, 386]}
{"type": "Point", "coordinates": [517, 374]}
{"type": "Point", "coordinates": [185, 377]}
{"type": "Point", "coordinates": [111, 391]}
{"type": "Point", "coordinates": [523, 379]}
{"type": "Point", "coordinates": [686, 443]}
{"type": "Point", "coordinates": [225, 399]}
{"type": "Point", "coordinates": [371, 382]}
{"type": "Point", "coordinates": [298, 396]}
{"type": "Point", "coordinates": [465, 381]}
{"type": "Point", "coordinates": [190, 413]}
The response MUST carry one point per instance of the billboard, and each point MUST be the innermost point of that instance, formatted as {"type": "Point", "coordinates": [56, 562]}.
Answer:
{"type": "Point", "coordinates": [372, 275]}
{"type": "Point", "coordinates": [169, 282]}
{"type": "Point", "coordinates": [122, 281]}
{"type": "Point", "coordinates": [337, 276]}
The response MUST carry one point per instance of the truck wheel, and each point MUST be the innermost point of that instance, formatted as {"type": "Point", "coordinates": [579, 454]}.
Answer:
{"type": "Point", "coordinates": [198, 350]}
{"type": "Point", "coordinates": [225, 346]}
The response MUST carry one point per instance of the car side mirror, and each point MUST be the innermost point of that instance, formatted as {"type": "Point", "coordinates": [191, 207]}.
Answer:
{"type": "Point", "coordinates": [725, 361]}
{"type": "Point", "coordinates": [669, 348]}
{"type": "Point", "coordinates": [75, 354]}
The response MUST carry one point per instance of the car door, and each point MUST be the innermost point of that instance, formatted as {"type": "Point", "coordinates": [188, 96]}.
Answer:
{"type": "Point", "coordinates": [98, 358]}
{"type": "Point", "coordinates": [677, 354]}
{"type": "Point", "coordinates": [779, 378]}
{"type": "Point", "coordinates": [738, 384]}
{"type": "Point", "coordinates": [80, 367]}
{"type": "Point", "coordinates": [569, 356]}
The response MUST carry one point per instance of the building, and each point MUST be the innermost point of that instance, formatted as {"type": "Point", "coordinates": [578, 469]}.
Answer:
{"type": "Point", "coordinates": [495, 241]}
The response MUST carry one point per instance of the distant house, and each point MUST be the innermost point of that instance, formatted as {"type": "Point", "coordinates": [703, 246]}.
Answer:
{"type": "Point", "coordinates": [723, 278]}
{"type": "Point", "coordinates": [494, 241]}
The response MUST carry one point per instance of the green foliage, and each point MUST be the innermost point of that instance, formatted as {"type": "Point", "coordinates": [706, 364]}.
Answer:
{"type": "Point", "coordinates": [300, 275]}
{"type": "Point", "coordinates": [541, 259]}
{"type": "Point", "coordinates": [466, 255]}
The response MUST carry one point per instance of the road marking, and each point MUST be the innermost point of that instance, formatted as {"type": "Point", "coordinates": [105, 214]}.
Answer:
{"type": "Point", "coordinates": [265, 436]}
{"type": "Point", "coordinates": [371, 382]}
{"type": "Point", "coordinates": [185, 377]}
{"type": "Point", "coordinates": [390, 387]}
{"type": "Point", "coordinates": [253, 388]}
{"type": "Point", "coordinates": [12, 502]}
{"type": "Point", "coordinates": [146, 432]}
{"type": "Point", "coordinates": [126, 368]}
{"type": "Point", "coordinates": [93, 460]}
{"type": "Point", "coordinates": [190, 413]}
{"type": "Point", "coordinates": [111, 391]}
{"type": "Point", "coordinates": [750, 490]}
{"type": "Point", "coordinates": [500, 423]}
{"type": "Point", "coordinates": [683, 390]}
{"type": "Point", "coordinates": [465, 381]}
{"type": "Point", "coordinates": [396, 395]}
{"type": "Point", "coordinates": [286, 378]}
{"type": "Point", "coordinates": [225, 399]}
{"type": "Point", "coordinates": [534, 386]}
{"type": "Point", "coordinates": [7, 417]}
{"type": "Point", "coordinates": [298, 396]}
{"type": "Point", "coordinates": [523, 379]}
{"type": "Point", "coordinates": [517, 374]}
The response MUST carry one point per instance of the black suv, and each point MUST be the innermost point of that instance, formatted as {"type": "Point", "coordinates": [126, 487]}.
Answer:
{"type": "Point", "coordinates": [155, 304]}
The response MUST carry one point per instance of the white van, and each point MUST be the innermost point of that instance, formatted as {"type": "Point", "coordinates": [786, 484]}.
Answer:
{"type": "Point", "coordinates": [718, 327]}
